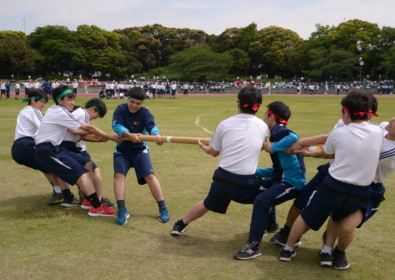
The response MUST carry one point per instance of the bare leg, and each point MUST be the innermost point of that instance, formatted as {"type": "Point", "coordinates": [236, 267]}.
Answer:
{"type": "Point", "coordinates": [196, 212]}
{"type": "Point", "coordinates": [347, 228]}
{"type": "Point", "coordinates": [97, 182]}
{"type": "Point", "coordinates": [154, 186]}
{"type": "Point", "coordinates": [298, 229]}
{"type": "Point", "coordinates": [86, 184]}
{"type": "Point", "coordinates": [332, 232]}
{"type": "Point", "coordinates": [293, 214]}
{"type": "Point", "coordinates": [119, 186]}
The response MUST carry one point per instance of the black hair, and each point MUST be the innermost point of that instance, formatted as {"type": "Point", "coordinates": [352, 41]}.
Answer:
{"type": "Point", "coordinates": [249, 96]}
{"type": "Point", "coordinates": [37, 92]}
{"type": "Point", "coordinates": [280, 109]}
{"type": "Point", "coordinates": [75, 107]}
{"type": "Point", "coordinates": [358, 101]}
{"type": "Point", "coordinates": [137, 92]}
{"type": "Point", "coordinates": [99, 106]}
{"type": "Point", "coordinates": [57, 91]}
{"type": "Point", "coordinates": [375, 105]}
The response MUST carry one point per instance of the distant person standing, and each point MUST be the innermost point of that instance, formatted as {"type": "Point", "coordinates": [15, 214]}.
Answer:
{"type": "Point", "coordinates": [75, 86]}
{"type": "Point", "coordinates": [2, 87]}
{"type": "Point", "coordinates": [185, 87]}
{"type": "Point", "coordinates": [47, 89]}
{"type": "Point", "coordinates": [8, 89]}
{"type": "Point", "coordinates": [17, 88]}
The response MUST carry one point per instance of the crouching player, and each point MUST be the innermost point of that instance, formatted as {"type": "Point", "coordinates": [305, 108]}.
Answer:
{"type": "Point", "coordinates": [240, 139]}
{"type": "Point", "coordinates": [347, 225]}
{"type": "Point", "coordinates": [130, 120]}
{"type": "Point", "coordinates": [283, 181]}
{"type": "Point", "coordinates": [68, 166]}
{"type": "Point", "coordinates": [346, 187]}
{"type": "Point", "coordinates": [24, 147]}
{"type": "Point", "coordinates": [91, 110]}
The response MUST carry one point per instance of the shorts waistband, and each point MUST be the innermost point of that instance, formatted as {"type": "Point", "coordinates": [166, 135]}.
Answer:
{"type": "Point", "coordinates": [343, 193]}
{"type": "Point", "coordinates": [248, 182]}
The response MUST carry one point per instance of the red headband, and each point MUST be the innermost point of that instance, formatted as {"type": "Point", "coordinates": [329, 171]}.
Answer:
{"type": "Point", "coordinates": [277, 117]}
{"type": "Point", "coordinates": [368, 113]}
{"type": "Point", "coordinates": [254, 107]}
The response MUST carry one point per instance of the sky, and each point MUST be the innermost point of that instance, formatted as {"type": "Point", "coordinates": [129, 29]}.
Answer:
{"type": "Point", "coordinates": [213, 17]}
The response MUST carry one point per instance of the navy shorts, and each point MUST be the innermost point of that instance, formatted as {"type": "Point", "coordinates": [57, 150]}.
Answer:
{"type": "Point", "coordinates": [173, 92]}
{"type": "Point", "coordinates": [23, 152]}
{"type": "Point", "coordinates": [67, 165]}
{"type": "Point", "coordinates": [140, 161]}
{"type": "Point", "coordinates": [301, 201]}
{"type": "Point", "coordinates": [227, 186]}
{"type": "Point", "coordinates": [370, 207]}
{"type": "Point", "coordinates": [333, 196]}
{"type": "Point", "coordinates": [70, 146]}
{"type": "Point", "coordinates": [185, 91]}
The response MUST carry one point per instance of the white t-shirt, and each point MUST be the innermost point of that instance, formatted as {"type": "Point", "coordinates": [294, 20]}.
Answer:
{"type": "Point", "coordinates": [75, 85]}
{"type": "Point", "coordinates": [28, 122]}
{"type": "Point", "coordinates": [357, 147]}
{"type": "Point", "coordinates": [387, 158]}
{"type": "Point", "coordinates": [17, 86]}
{"type": "Point", "coordinates": [240, 139]}
{"type": "Point", "coordinates": [82, 116]}
{"type": "Point", "coordinates": [54, 125]}
{"type": "Point", "coordinates": [173, 86]}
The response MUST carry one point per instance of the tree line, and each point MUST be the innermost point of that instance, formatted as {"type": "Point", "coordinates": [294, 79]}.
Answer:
{"type": "Point", "coordinates": [331, 52]}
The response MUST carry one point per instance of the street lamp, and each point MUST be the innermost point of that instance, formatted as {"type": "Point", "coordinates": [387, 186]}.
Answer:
{"type": "Point", "coordinates": [361, 63]}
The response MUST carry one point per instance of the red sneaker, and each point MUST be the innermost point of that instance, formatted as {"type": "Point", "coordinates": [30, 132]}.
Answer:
{"type": "Point", "coordinates": [102, 211]}
{"type": "Point", "coordinates": [86, 204]}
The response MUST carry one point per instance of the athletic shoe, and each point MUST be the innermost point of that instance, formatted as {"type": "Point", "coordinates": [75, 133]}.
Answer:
{"type": "Point", "coordinates": [281, 238]}
{"type": "Point", "coordinates": [164, 216]}
{"type": "Point", "coordinates": [102, 211]}
{"type": "Point", "coordinates": [249, 251]}
{"type": "Point", "coordinates": [326, 259]}
{"type": "Point", "coordinates": [286, 255]}
{"type": "Point", "coordinates": [339, 259]}
{"type": "Point", "coordinates": [273, 228]}
{"type": "Point", "coordinates": [71, 203]}
{"type": "Point", "coordinates": [123, 216]}
{"type": "Point", "coordinates": [265, 232]}
{"type": "Point", "coordinates": [56, 198]}
{"type": "Point", "coordinates": [86, 204]}
{"type": "Point", "coordinates": [178, 229]}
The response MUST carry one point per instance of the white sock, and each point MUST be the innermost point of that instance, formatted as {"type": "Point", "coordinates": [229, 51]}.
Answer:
{"type": "Point", "coordinates": [57, 189]}
{"type": "Point", "coordinates": [286, 247]}
{"type": "Point", "coordinates": [326, 249]}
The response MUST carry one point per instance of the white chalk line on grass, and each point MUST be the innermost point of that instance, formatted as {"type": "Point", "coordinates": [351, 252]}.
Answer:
{"type": "Point", "coordinates": [198, 119]}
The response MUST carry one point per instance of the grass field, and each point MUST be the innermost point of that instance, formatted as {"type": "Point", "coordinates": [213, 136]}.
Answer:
{"type": "Point", "coordinates": [39, 241]}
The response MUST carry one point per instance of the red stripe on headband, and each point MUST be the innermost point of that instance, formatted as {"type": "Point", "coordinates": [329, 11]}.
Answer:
{"type": "Point", "coordinates": [254, 107]}
{"type": "Point", "coordinates": [368, 113]}
{"type": "Point", "coordinates": [277, 117]}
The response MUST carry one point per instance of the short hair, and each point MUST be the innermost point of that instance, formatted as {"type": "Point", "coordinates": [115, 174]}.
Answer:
{"type": "Point", "coordinates": [375, 105]}
{"type": "Point", "coordinates": [249, 96]}
{"type": "Point", "coordinates": [280, 109]}
{"type": "Point", "coordinates": [99, 106]}
{"type": "Point", "coordinates": [358, 101]}
{"type": "Point", "coordinates": [57, 91]}
{"type": "Point", "coordinates": [36, 92]}
{"type": "Point", "coordinates": [136, 92]}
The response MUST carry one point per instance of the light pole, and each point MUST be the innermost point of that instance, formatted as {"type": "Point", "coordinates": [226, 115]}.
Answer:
{"type": "Point", "coordinates": [360, 63]}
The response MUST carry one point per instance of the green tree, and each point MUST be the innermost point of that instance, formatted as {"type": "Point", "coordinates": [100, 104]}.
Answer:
{"type": "Point", "coordinates": [102, 47]}
{"type": "Point", "coordinates": [17, 53]}
{"type": "Point", "coordinates": [198, 62]}
{"type": "Point", "coordinates": [241, 61]}
{"type": "Point", "coordinates": [272, 48]}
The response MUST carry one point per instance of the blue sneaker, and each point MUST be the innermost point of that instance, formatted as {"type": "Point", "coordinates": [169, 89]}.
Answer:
{"type": "Point", "coordinates": [123, 216]}
{"type": "Point", "coordinates": [107, 202]}
{"type": "Point", "coordinates": [164, 216]}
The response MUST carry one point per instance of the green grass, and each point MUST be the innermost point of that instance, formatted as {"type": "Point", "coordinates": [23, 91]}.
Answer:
{"type": "Point", "coordinates": [38, 241]}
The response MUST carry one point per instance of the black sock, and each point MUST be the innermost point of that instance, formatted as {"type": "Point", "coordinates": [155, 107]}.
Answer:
{"type": "Point", "coordinates": [287, 229]}
{"type": "Point", "coordinates": [181, 223]}
{"type": "Point", "coordinates": [121, 204]}
{"type": "Point", "coordinates": [67, 194]}
{"type": "Point", "coordinates": [94, 200]}
{"type": "Point", "coordinates": [161, 203]}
